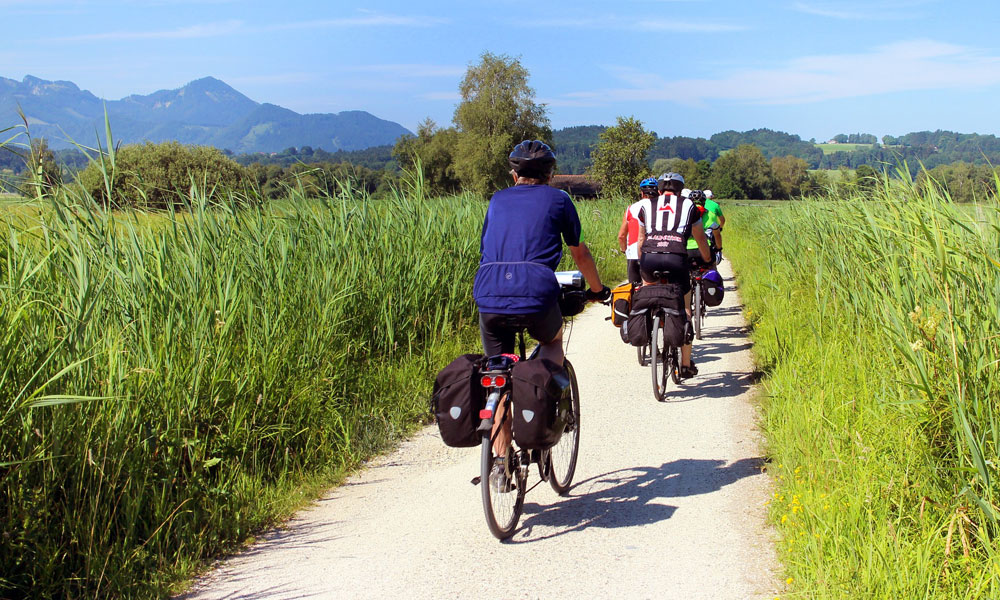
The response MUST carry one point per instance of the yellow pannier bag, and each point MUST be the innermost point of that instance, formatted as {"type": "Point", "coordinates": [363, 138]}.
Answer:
{"type": "Point", "coordinates": [621, 303]}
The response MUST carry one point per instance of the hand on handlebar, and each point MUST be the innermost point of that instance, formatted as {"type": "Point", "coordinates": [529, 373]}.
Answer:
{"type": "Point", "coordinates": [599, 296]}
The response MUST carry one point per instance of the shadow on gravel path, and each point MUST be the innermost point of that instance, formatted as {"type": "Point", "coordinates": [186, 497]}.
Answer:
{"type": "Point", "coordinates": [630, 497]}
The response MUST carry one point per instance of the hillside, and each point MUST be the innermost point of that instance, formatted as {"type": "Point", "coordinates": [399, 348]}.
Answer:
{"type": "Point", "coordinates": [206, 111]}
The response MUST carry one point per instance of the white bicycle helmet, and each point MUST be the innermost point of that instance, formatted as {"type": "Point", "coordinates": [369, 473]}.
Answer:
{"type": "Point", "coordinates": [708, 194]}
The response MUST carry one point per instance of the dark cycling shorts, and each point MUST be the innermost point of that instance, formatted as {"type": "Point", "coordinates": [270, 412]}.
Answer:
{"type": "Point", "coordinates": [674, 265]}
{"type": "Point", "coordinates": [633, 272]}
{"type": "Point", "coordinates": [499, 332]}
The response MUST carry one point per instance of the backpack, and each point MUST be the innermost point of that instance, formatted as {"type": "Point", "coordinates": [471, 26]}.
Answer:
{"type": "Point", "coordinates": [542, 399]}
{"type": "Point", "coordinates": [457, 399]}
{"type": "Point", "coordinates": [712, 288]}
{"type": "Point", "coordinates": [621, 303]}
{"type": "Point", "coordinates": [670, 297]}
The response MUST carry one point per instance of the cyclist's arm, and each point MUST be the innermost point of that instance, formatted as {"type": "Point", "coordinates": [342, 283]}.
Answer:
{"type": "Point", "coordinates": [717, 234]}
{"type": "Point", "coordinates": [585, 262]}
{"type": "Point", "coordinates": [698, 233]}
{"type": "Point", "coordinates": [623, 232]}
{"type": "Point", "coordinates": [641, 239]}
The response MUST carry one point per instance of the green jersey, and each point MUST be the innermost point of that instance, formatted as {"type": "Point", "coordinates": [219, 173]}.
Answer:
{"type": "Point", "coordinates": [709, 220]}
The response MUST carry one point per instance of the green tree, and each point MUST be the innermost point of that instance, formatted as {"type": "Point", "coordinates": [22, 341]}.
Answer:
{"type": "Point", "coordinates": [497, 111]}
{"type": "Point", "coordinates": [620, 158]}
{"type": "Point", "coordinates": [433, 151]}
{"type": "Point", "coordinates": [154, 176]}
{"type": "Point", "coordinates": [744, 173]}
{"type": "Point", "coordinates": [792, 175]}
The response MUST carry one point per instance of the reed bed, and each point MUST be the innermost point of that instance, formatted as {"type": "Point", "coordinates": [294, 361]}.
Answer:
{"type": "Point", "coordinates": [172, 382]}
{"type": "Point", "coordinates": [875, 320]}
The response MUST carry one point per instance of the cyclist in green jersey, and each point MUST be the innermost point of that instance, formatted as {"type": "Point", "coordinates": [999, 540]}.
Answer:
{"type": "Point", "coordinates": [710, 220]}
{"type": "Point", "coordinates": [718, 221]}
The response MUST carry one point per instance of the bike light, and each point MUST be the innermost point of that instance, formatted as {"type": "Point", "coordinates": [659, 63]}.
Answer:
{"type": "Point", "coordinates": [499, 381]}
{"type": "Point", "coordinates": [486, 381]}
{"type": "Point", "coordinates": [486, 414]}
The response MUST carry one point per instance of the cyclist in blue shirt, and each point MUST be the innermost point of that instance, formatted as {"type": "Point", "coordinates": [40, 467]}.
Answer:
{"type": "Point", "coordinates": [516, 287]}
{"type": "Point", "coordinates": [521, 246]}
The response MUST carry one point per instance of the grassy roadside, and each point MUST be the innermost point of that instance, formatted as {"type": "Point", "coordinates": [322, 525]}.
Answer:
{"type": "Point", "coordinates": [880, 408]}
{"type": "Point", "coordinates": [173, 383]}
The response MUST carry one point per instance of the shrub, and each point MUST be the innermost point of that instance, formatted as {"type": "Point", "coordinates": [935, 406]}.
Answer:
{"type": "Point", "coordinates": [159, 175]}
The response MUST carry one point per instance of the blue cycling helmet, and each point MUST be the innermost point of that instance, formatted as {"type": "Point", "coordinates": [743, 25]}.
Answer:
{"type": "Point", "coordinates": [648, 183]}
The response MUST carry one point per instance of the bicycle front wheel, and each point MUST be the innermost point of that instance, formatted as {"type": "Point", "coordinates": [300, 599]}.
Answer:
{"type": "Point", "coordinates": [657, 360]}
{"type": "Point", "coordinates": [562, 456]}
{"type": "Point", "coordinates": [503, 493]}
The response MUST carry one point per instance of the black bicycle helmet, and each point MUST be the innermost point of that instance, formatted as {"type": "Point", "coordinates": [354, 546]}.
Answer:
{"type": "Point", "coordinates": [697, 196]}
{"type": "Point", "coordinates": [532, 158]}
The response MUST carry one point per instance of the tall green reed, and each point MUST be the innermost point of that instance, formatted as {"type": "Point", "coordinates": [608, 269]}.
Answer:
{"type": "Point", "coordinates": [169, 378]}
{"type": "Point", "coordinates": [876, 316]}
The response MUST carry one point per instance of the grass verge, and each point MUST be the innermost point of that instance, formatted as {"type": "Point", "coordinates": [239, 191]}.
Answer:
{"type": "Point", "coordinates": [874, 319]}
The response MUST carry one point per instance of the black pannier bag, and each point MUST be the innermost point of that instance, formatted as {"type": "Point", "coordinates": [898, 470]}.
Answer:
{"type": "Point", "coordinates": [542, 397]}
{"type": "Point", "coordinates": [458, 397]}
{"type": "Point", "coordinates": [670, 297]}
{"type": "Point", "coordinates": [635, 329]}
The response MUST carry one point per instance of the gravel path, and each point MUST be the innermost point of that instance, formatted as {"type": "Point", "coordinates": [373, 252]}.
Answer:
{"type": "Point", "coordinates": [668, 501]}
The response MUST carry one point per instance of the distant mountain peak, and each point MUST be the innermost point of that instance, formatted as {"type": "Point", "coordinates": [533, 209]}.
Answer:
{"type": "Point", "coordinates": [204, 111]}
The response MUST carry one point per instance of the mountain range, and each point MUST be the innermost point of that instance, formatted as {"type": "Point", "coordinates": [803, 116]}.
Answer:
{"type": "Point", "coordinates": [206, 111]}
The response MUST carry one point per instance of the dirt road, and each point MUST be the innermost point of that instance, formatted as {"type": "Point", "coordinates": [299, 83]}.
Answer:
{"type": "Point", "coordinates": [668, 501]}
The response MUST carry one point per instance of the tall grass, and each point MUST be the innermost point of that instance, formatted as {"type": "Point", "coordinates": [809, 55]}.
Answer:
{"type": "Point", "coordinates": [169, 383]}
{"type": "Point", "coordinates": [875, 317]}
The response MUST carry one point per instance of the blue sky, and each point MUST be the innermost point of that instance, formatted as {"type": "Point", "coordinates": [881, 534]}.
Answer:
{"type": "Point", "coordinates": [683, 67]}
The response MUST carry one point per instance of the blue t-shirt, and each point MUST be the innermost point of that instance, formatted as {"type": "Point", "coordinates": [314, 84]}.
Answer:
{"type": "Point", "coordinates": [521, 247]}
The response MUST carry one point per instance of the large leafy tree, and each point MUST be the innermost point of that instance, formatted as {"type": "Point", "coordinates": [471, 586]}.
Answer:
{"type": "Point", "coordinates": [620, 159]}
{"type": "Point", "coordinates": [744, 173]}
{"type": "Point", "coordinates": [497, 111]}
{"type": "Point", "coordinates": [792, 175]}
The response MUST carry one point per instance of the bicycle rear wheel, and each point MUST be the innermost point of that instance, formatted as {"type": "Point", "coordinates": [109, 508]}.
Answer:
{"type": "Point", "coordinates": [562, 457]}
{"type": "Point", "coordinates": [699, 310]}
{"type": "Point", "coordinates": [501, 503]}
{"type": "Point", "coordinates": [657, 360]}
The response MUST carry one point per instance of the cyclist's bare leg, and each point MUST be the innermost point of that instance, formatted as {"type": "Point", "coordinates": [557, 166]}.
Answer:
{"type": "Point", "coordinates": [686, 355]}
{"type": "Point", "coordinates": [687, 304]}
{"type": "Point", "coordinates": [553, 350]}
{"type": "Point", "coordinates": [502, 440]}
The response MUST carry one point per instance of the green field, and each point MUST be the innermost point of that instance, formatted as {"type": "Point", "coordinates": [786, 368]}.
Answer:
{"type": "Point", "coordinates": [831, 148]}
{"type": "Point", "coordinates": [877, 339]}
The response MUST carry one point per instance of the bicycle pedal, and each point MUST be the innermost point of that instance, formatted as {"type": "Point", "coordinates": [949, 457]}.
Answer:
{"type": "Point", "coordinates": [476, 480]}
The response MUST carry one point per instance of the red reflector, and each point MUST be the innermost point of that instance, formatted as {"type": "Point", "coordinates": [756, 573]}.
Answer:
{"type": "Point", "coordinates": [486, 381]}
{"type": "Point", "coordinates": [499, 381]}
{"type": "Point", "coordinates": [486, 414]}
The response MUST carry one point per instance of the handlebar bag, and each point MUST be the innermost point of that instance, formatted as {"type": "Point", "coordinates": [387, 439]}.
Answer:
{"type": "Point", "coordinates": [457, 399]}
{"type": "Point", "coordinates": [621, 303]}
{"type": "Point", "coordinates": [714, 292]}
{"type": "Point", "coordinates": [542, 400]}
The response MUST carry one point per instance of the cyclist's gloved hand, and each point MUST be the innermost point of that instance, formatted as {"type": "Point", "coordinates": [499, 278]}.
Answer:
{"type": "Point", "coordinates": [718, 255]}
{"type": "Point", "coordinates": [601, 296]}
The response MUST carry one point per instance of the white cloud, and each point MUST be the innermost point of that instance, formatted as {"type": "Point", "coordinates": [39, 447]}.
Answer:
{"type": "Point", "coordinates": [866, 10]}
{"type": "Point", "coordinates": [900, 67]}
{"type": "Point", "coordinates": [191, 31]}
{"type": "Point", "coordinates": [239, 27]}
{"type": "Point", "coordinates": [616, 23]}
{"type": "Point", "coordinates": [407, 70]}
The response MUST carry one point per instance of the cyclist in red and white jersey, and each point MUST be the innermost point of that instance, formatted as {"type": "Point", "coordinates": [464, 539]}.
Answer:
{"type": "Point", "coordinates": [628, 235]}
